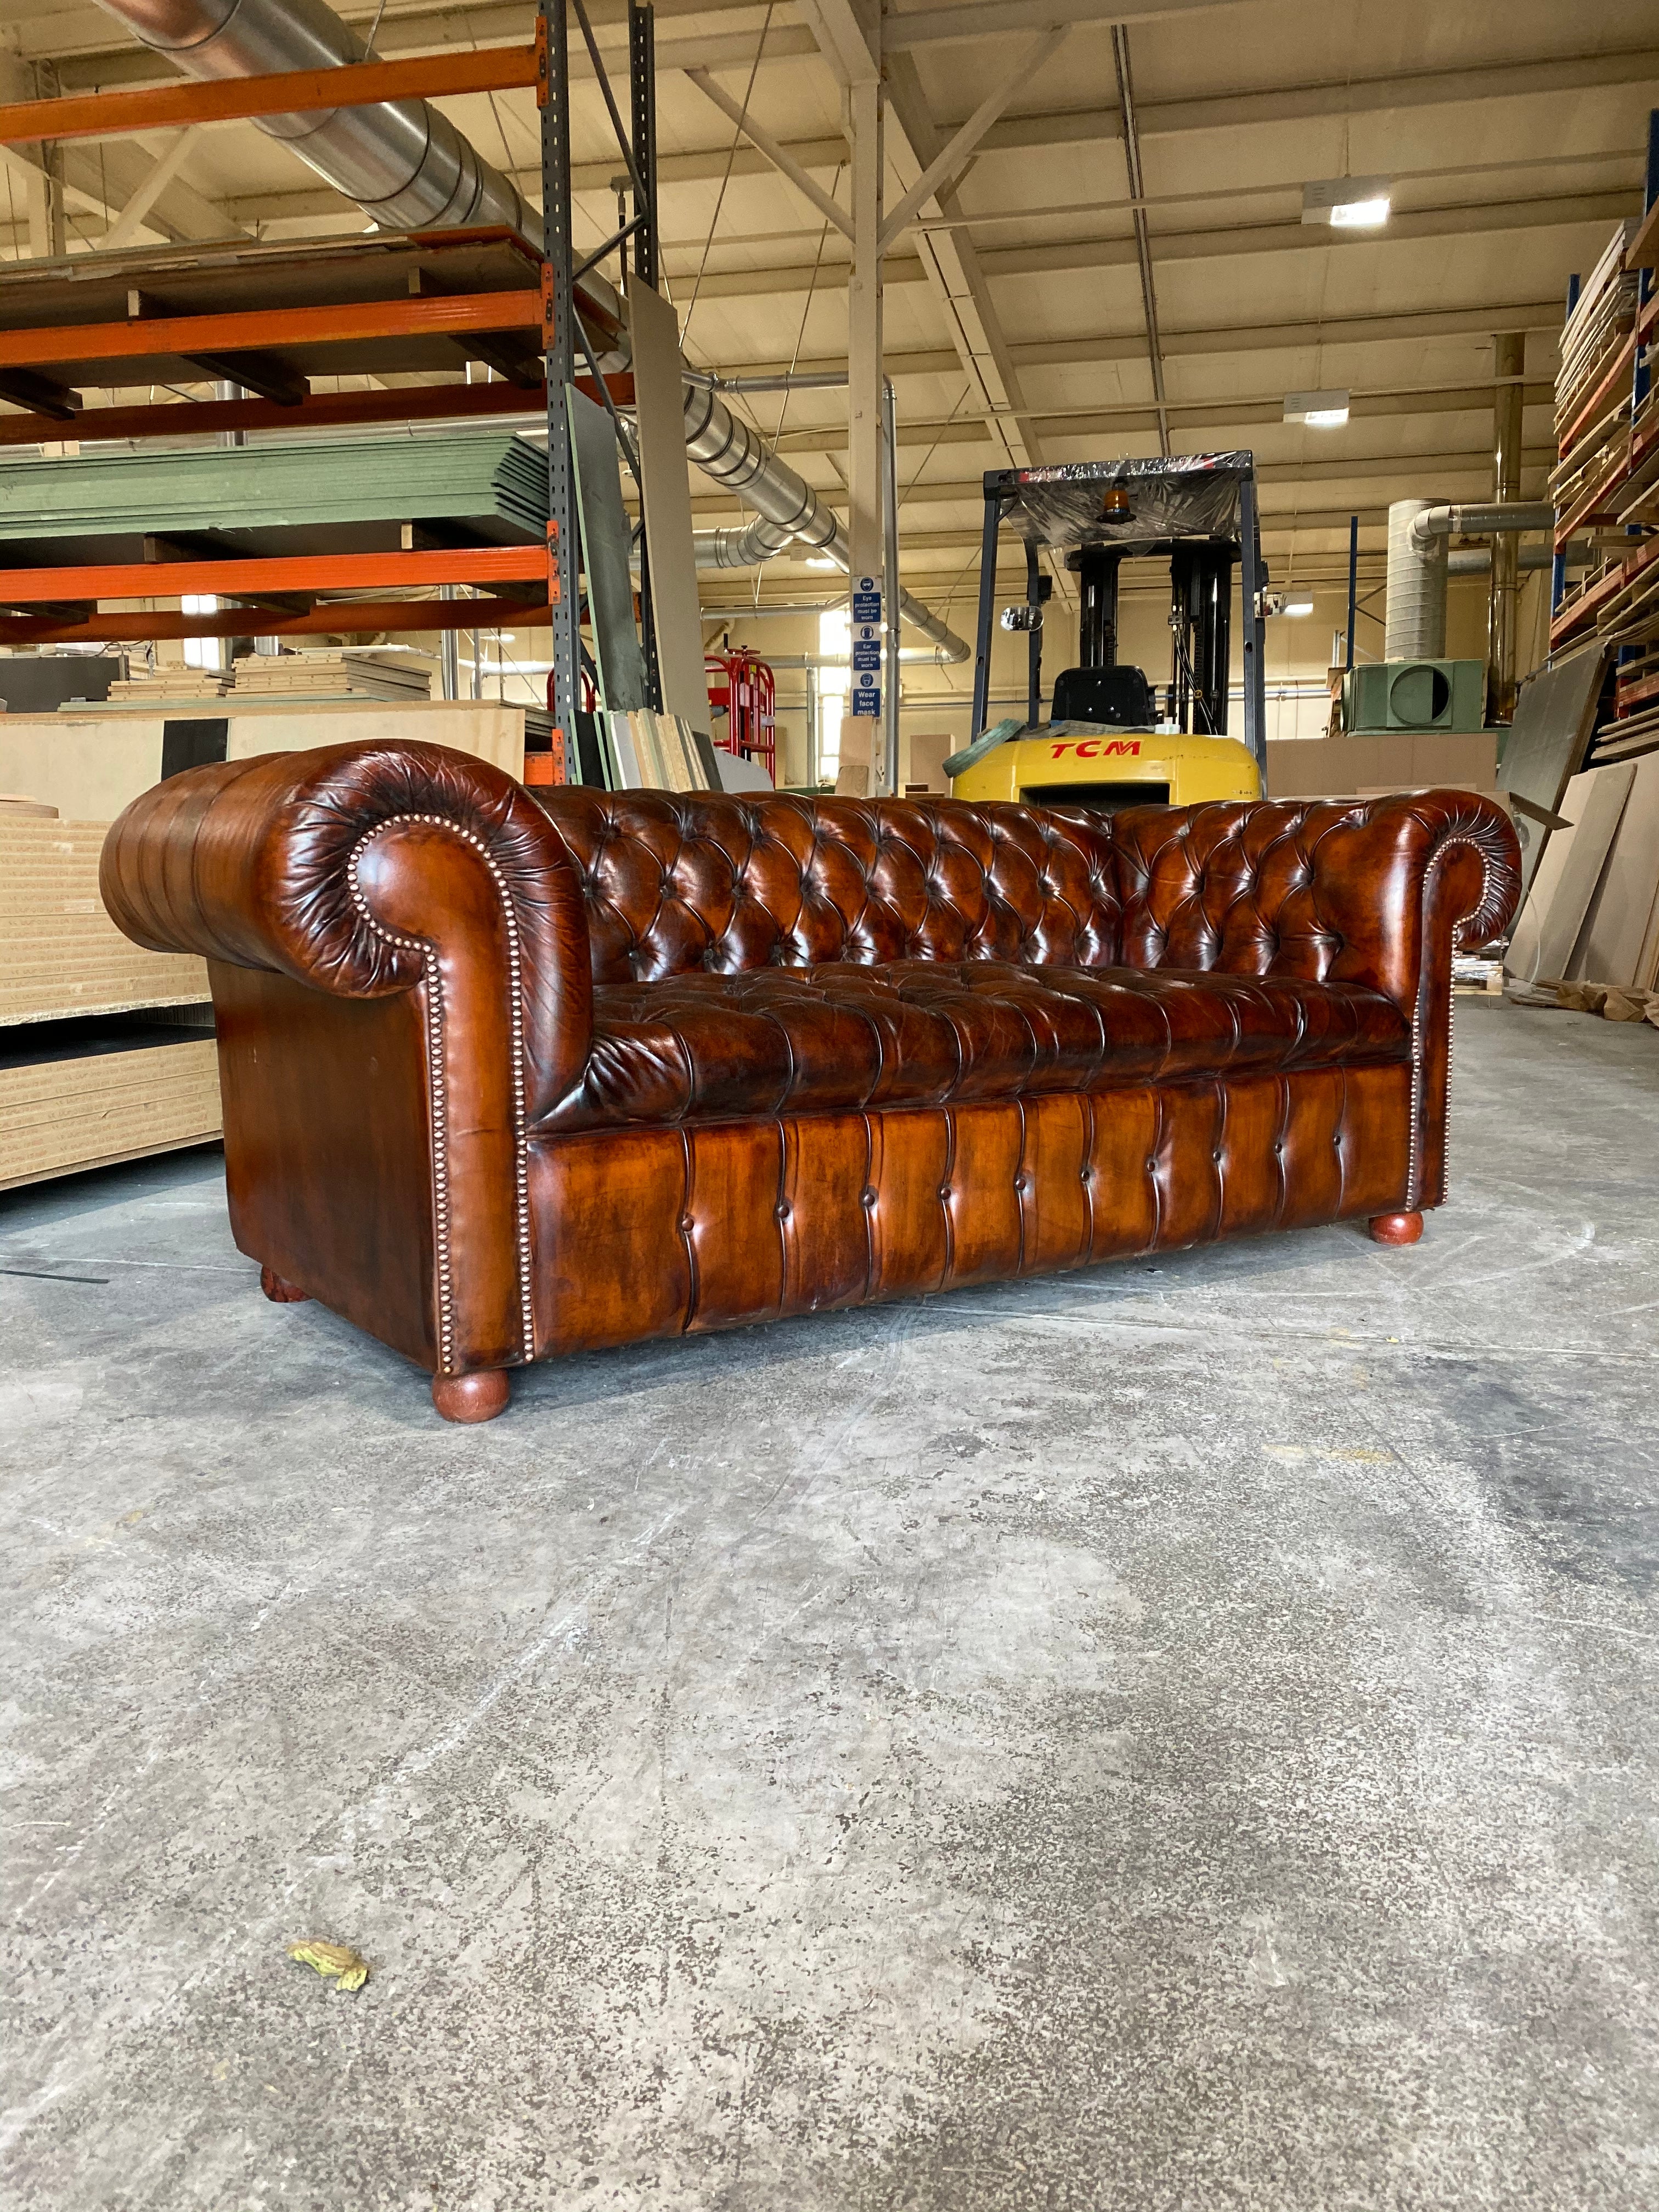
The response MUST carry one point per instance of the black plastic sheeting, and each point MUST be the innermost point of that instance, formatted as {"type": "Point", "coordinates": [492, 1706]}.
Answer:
{"type": "Point", "coordinates": [1186, 496]}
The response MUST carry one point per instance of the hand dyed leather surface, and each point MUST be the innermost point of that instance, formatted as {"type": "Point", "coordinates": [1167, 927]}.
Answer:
{"type": "Point", "coordinates": [704, 1047]}
{"type": "Point", "coordinates": [504, 1079]}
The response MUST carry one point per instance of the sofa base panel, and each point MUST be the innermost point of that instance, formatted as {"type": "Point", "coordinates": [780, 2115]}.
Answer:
{"type": "Point", "coordinates": [652, 1232]}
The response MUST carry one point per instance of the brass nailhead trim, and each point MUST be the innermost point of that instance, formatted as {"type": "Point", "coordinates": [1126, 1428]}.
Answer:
{"type": "Point", "coordinates": [435, 1080]}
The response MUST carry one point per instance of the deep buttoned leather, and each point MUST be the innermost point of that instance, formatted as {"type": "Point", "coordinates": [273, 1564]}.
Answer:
{"type": "Point", "coordinates": [649, 1232]}
{"type": "Point", "coordinates": [674, 882]}
{"type": "Point", "coordinates": [504, 1078]}
{"type": "Point", "coordinates": [934, 1032]}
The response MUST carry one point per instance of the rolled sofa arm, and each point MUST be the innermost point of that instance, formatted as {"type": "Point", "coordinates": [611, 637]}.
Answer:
{"type": "Point", "coordinates": [376, 1159]}
{"type": "Point", "coordinates": [285, 862]}
{"type": "Point", "coordinates": [1378, 892]}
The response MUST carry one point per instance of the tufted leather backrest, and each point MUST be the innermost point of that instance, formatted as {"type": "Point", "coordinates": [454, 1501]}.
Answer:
{"type": "Point", "coordinates": [678, 882]}
{"type": "Point", "coordinates": [1326, 890]}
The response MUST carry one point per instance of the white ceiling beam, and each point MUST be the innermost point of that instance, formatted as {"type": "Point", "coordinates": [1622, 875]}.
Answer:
{"type": "Point", "coordinates": [950, 262]}
{"type": "Point", "coordinates": [1193, 416]}
{"type": "Point", "coordinates": [948, 163]}
{"type": "Point", "coordinates": [996, 19]}
{"type": "Point", "coordinates": [1589, 209]}
{"type": "Point", "coordinates": [127, 225]}
{"type": "Point", "coordinates": [1474, 323]}
{"type": "Point", "coordinates": [784, 162]}
{"type": "Point", "coordinates": [848, 34]}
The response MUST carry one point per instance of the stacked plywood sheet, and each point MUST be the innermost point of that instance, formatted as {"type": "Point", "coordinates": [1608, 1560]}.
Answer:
{"type": "Point", "coordinates": [64, 955]}
{"type": "Point", "coordinates": [1597, 334]}
{"type": "Point", "coordinates": [1394, 760]}
{"type": "Point", "coordinates": [648, 752]}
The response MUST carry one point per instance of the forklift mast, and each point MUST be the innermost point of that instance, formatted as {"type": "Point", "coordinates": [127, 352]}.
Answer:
{"type": "Point", "coordinates": [1199, 511]}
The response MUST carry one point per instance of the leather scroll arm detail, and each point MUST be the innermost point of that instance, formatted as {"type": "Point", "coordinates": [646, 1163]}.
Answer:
{"type": "Point", "coordinates": [1471, 890]}
{"type": "Point", "coordinates": [255, 862]}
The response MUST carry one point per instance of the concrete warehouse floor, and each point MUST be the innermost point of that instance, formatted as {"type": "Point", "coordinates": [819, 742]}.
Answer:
{"type": "Point", "coordinates": [1177, 1736]}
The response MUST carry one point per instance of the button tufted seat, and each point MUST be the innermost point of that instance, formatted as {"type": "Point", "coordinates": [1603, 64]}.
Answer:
{"type": "Point", "coordinates": [702, 1047]}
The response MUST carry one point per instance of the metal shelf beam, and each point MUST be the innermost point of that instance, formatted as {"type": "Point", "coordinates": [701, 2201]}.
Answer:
{"type": "Point", "coordinates": [234, 100]}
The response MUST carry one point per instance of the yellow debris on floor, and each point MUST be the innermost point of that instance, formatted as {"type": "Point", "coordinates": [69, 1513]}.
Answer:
{"type": "Point", "coordinates": [335, 1962]}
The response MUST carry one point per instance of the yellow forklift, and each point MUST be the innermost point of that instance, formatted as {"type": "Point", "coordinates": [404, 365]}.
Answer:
{"type": "Point", "coordinates": [1109, 742]}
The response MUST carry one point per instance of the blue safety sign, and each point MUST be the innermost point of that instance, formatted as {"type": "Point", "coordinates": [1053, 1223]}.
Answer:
{"type": "Point", "coordinates": [866, 607]}
{"type": "Point", "coordinates": [867, 655]}
{"type": "Point", "coordinates": [867, 702]}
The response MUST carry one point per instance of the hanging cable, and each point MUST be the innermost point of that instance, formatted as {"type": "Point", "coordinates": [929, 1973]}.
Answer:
{"type": "Point", "coordinates": [732, 156]}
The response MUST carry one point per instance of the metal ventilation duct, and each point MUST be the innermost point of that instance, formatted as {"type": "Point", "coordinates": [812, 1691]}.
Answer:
{"type": "Point", "coordinates": [403, 162]}
{"type": "Point", "coordinates": [408, 167]}
{"type": "Point", "coordinates": [1416, 605]}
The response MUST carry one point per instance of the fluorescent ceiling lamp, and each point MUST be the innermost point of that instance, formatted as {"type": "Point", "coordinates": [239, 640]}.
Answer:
{"type": "Point", "coordinates": [1321, 410]}
{"type": "Point", "coordinates": [1348, 203]}
{"type": "Point", "coordinates": [1297, 607]}
{"type": "Point", "coordinates": [822, 564]}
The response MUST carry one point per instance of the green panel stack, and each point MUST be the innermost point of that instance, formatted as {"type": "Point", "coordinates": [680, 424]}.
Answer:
{"type": "Point", "coordinates": [474, 474]}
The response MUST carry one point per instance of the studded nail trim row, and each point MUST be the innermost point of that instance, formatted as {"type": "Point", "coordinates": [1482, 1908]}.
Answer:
{"type": "Point", "coordinates": [436, 1088]}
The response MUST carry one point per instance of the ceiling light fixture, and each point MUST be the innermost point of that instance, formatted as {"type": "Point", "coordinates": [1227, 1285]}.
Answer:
{"type": "Point", "coordinates": [822, 565]}
{"type": "Point", "coordinates": [1297, 607]}
{"type": "Point", "coordinates": [1348, 203]}
{"type": "Point", "coordinates": [1320, 410]}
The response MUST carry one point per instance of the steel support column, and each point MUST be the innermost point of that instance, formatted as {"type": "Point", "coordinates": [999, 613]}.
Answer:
{"type": "Point", "coordinates": [889, 781]}
{"type": "Point", "coordinates": [642, 124]}
{"type": "Point", "coordinates": [558, 340]}
{"type": "Point", "coordinates": [864, 410]}
{"type": "Point", "coordinates": [987, 595]}
{"type": "Point", "coordinates": [1252, 631]}
{"type": "Point", "coordinates": [1504, 591]}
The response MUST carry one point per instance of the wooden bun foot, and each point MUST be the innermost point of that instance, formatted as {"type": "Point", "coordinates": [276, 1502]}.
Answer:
{"type": "Point", "coordinates": [477, 1397]}
{"type": "Point", "coordinates": [279, 1293]}
{"type": "Point", "coordinates": [1397, 1228]}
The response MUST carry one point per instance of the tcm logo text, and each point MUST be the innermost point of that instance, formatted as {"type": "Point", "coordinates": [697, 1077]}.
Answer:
{"type": "Point", "coordinates": [1096, 748]}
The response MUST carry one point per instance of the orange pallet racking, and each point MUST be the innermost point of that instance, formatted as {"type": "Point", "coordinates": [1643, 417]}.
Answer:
{"type": "Point", "coordinates": [269, 318]}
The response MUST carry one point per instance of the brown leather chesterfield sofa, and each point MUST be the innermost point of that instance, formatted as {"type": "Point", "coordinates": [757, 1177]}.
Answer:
{"type": "Point", "coordinates": [506, 1077]}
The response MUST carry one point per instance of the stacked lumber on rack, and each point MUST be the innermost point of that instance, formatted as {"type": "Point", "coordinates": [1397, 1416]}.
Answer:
{"type": "Point", "coordinates": [345, 675]}
{"type": "Point", "coordinates": [1596, 343]}
{"type": "Point", "coordinates": [106, 1051]}
{"type": "Point", "coordinates": [162, 687]}
{"type": "Point", "coordinates": [1606, 477]}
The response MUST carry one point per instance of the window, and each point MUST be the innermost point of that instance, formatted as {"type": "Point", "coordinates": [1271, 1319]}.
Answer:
{"type": "Point", "coordinates": [202, 652]}
{"type": "Point", "coordinates": [835, 644]}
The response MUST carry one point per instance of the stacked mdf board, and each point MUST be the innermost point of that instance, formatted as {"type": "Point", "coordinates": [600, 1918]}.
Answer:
{"type": "Point", "coordinates": [67, 1104]}
{"type": "Point", "coordinates": [90, 766]}
{"type": "Point", "coordinates": [1591, 912]}
{"type": "Point", "coordinates": [104, 1053]}
{"type": "Point", "coordinates": [63, 956]}
{"type": "Point", "coordinates": [1368, 764]}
